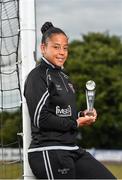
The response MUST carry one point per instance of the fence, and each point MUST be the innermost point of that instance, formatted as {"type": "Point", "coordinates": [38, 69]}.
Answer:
{"type": "Point", "coordinates": [13, 154]}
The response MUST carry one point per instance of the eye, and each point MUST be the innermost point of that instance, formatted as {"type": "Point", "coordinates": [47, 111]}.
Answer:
{"type": "Point", "coordinates": [56, 47]}
{"type": "Point", "coordinates": [66, 48]}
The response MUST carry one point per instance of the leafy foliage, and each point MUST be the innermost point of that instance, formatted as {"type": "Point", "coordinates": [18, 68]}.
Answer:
{"type": "Point", "coordinates": [98, 56]}
{"type": "Point", "coordinates": [11, 124]}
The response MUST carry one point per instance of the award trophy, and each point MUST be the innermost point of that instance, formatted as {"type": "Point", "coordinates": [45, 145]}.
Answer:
{"type": "Point", "coordinates": [90, 96]}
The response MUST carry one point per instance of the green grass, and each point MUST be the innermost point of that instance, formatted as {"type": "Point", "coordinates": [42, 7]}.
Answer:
{"type": "Point", "coordinates": [10, 171]}
{"type": "Point", "coordinates": [115, 168]}
{"type": "Point", "coordinates": [14, 171]}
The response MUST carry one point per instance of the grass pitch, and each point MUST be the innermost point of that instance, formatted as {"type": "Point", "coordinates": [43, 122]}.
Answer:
{"type": "Point", "coordinates": [15, 171]}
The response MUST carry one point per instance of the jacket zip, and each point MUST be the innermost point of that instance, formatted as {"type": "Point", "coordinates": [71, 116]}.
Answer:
{"type": "Point", "coordinates": [63, 82]}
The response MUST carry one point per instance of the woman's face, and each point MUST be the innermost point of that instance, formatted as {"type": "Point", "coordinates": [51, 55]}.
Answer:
{"type": "Point", "coordinates": [56, 49]}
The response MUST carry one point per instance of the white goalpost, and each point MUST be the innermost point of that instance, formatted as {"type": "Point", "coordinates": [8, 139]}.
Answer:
{"type": "Point", "coordinates": [28, 40]}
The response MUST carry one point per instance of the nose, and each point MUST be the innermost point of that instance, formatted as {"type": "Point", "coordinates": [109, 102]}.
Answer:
{"type": "Point", "coordinates": [61, 50]}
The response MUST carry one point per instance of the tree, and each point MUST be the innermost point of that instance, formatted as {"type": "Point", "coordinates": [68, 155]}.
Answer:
{"type": "Point", "coordinates": [98, 56]}
{"type": "Point", "coordinates": [11, 124]}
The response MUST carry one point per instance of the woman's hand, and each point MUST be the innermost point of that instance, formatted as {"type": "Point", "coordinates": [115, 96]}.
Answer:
{"type": "Point", "coordinates": [87, 119]}
{"type": "Point", "coordinates": [90, 113]}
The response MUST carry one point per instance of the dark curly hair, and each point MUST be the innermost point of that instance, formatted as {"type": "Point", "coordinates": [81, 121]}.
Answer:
{"type": "Point", "coordinates": [48, 30]}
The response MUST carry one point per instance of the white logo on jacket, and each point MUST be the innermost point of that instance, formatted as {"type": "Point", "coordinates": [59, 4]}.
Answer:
{"type": "Point", "coordinates": [63, 112]}
{"type": "Point", "coordinates": [71, 87]}
{"type": "Point", "coordinates": [58, 87]}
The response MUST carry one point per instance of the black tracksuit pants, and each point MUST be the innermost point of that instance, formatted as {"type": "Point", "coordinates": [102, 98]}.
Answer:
{"type": "Point", "coordinates": [63, 164]}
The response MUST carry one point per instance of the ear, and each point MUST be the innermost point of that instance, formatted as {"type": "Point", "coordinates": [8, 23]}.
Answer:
{"type": "Point", "coordinates": [42, 48]}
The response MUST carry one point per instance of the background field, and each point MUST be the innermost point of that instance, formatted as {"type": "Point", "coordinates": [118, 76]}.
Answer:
{"type": "Point", "coordinates": [115, 168]}
{"type": "Point", "coordinates": [15, 171]}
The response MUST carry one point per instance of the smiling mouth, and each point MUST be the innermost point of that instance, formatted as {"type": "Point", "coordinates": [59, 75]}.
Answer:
{"type": "Point", "coordinates": [60, 59]}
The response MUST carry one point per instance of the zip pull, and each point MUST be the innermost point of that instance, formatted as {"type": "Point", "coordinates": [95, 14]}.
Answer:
{"type": "Point", "coordinates": [63, 82]}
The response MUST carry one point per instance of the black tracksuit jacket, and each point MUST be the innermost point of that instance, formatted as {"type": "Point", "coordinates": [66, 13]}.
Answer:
{"type": "Point", "coordinates": [51, 103]}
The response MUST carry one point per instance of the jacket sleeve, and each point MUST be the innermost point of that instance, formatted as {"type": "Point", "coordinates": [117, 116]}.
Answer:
{"type": "Point", "coordinates": [37, 97]}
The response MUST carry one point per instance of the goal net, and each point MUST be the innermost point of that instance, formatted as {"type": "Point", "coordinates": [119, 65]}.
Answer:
{"type": "Point", "coordinates": [10, 91]}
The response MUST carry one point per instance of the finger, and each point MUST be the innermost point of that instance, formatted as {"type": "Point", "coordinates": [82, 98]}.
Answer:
{"type": "Point", "coordinates": [95, 112]}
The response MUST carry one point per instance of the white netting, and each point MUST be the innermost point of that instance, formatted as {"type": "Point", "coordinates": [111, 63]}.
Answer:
{"type": "Point", "coordinates": [10, 92]}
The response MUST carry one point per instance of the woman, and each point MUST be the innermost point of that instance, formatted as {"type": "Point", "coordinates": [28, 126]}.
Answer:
{"type": "Point", "coordinates": [50, 96]}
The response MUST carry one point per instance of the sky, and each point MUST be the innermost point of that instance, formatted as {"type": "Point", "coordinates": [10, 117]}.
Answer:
{"type": "Point", "coordinates": [77, 17]}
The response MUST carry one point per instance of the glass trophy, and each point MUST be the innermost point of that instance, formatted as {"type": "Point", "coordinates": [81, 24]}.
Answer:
{"type": "Point", "coordinates": [90, 96]}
